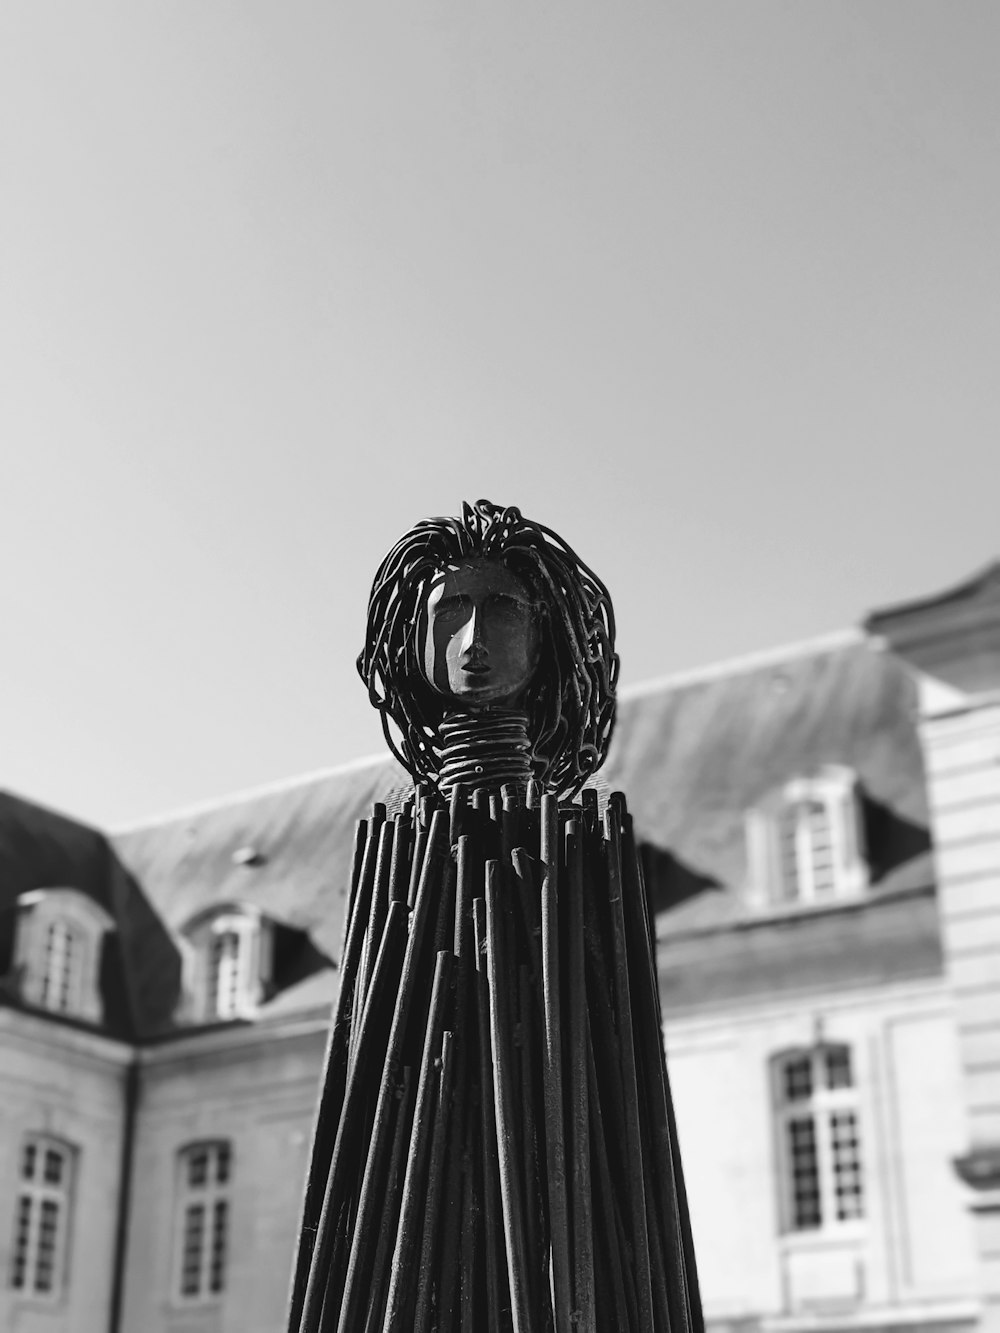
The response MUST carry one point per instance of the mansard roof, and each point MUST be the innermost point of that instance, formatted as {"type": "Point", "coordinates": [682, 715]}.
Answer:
{"type": "Point", "coordinates": [285, 849]}
{"type": "Point", "coordinates": [40, 849]}
{"type": "Point", "coordinates": [692, 754]}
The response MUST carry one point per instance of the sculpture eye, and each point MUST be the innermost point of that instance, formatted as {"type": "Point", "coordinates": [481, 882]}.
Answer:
{"type": "Point", "coordinates": [453, 608]}
{"type": "Point", "coordinates": [509, 608]}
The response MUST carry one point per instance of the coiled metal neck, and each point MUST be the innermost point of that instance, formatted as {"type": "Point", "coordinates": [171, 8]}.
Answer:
{"type": "Point", "coordinates": [485, 749]}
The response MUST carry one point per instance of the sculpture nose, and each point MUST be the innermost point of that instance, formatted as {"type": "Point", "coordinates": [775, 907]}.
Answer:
{"type": "Point", "coordinates": [473, 639]}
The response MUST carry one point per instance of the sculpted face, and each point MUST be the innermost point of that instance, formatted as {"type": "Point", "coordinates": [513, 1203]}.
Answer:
{"type": "Point", "coordinates": [481, 640]}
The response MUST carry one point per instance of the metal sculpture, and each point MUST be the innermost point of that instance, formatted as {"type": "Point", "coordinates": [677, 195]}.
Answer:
{"type": "Point", "coordinates": [495, 1147]}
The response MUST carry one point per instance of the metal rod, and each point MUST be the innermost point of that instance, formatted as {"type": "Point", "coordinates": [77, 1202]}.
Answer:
{"type": "Point", "coordinates": [435, 1187]}
{"type": "Point", "coordinates": [626, 1047]}
{"type": "Point", "coordinates": [379, 907]}
{"type": "Point", "coordinates": [348, 1145]}
{"type": "Point", "coordinates": [342, 1161]}
{"type": "Point", "coordinates": [333, 1084]}
{"type": "Point", "coordinates": [555, 1149]}
{"type": "Point", "coordinates": [372, 1194]}
{"type": "Point", "coordinates": [401, 1281]}
{"type": "Point", "coordinates": [536, 1271]}
{"type": "Point", "coordinates": [361, 922]}
{"type": "Point", "coordinates": [606, 1208]}
{"type": "Point", "coordinates": [506, 1126]}
{"type": "Point", "coordinates": [378, 1280]}
{"type": "Point", "coordinates": [470, 1212]}
{"type": "Point", "coordinates": [583, 1235]}
{"type": "Point", "coordinates": [461, 1110]}
{"type": "Point", "coordinates": [402, 851]}
{"type": "Point", "coordinates": [497, 1295]}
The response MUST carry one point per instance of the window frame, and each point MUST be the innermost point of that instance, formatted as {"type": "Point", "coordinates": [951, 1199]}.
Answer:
{"type": "Point", "coordinates": [60, 981]}
{"type": "Point", "coordinates": [229, 979]}
{"type": "Point", "coordinates": [86, 924]}
{"type": "Point", "coordinates": [834, 790]}
{"type": "Point", "coordinates": [248, 973]}
{"type": "Point", "coordinates": [38, 1192]}
{"type": "Point", "coordinates": [820, 1107]}
{"type": "Point", "coordinates": [211, 1196]}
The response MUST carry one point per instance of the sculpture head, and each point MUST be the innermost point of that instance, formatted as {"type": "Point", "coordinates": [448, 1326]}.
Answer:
{"type": "Point", "coordinates": [491, 612]}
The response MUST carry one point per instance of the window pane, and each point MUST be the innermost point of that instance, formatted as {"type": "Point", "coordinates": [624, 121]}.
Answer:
{"type": "Point", "coordinates": [838, 1067]}
{"type": "Point", "coordinates": [224, 974]}
{"type": "Point", "coordinates": [217, 1264]}
{"type": "Point", "coordinates": [194, 1231]}
{"type": "Point", "coordinates": [53, 1166]}
{"type": "Point", "coordinates": [46, 1256]}
{"type": "Point", "coordinates": [847, 1182]}
{"type": "Point", "coordinates": [22, 1233]}
{"type": "Point", "coordinates": [62, 962]}
{"type": "Point", "coordinates": [820, 840]}
{"type": "Point", "coordinates": [798, 1078]}
{"type": "Point", "coordinates": [222, 1163]}
{"type": "Point", "coordinates": [197, 1172]}
{"type": "Point", "coordinates": [64, 998]}
{"type": "Point", "coordinates": [788, 855]}
{"type": "Point", "coordinates": [804, 1173]}
{"type": "Point", "coordinates": [28, 1161]}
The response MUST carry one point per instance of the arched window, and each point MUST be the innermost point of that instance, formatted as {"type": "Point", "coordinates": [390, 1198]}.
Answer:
{"type": "Point", "coordinates": [819, 1138]}
{"type": "Point", "coordinates": [58, 950]}
{"type": "Point", "coordinates": [202, 1229]}
{"type": "Point", "coordinates": [41, 1216]}
{"type": "Point", "coordinates": [805, 842]}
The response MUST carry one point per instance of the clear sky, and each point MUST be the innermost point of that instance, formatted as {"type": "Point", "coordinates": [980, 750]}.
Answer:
{"type": "Point", "coordinates": [711, 288]}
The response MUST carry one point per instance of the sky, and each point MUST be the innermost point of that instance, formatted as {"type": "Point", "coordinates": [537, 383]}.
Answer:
{"type": "Point", "coordinates": [711, 288]}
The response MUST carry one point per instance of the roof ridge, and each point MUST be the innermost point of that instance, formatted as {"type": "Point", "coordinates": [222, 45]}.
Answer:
{"type": "Point", "coordinates": [278, 785]}
{"type": "Point", "coordinates": [956, 592]}
{"type": "Point", "coordinates": [747, 662]}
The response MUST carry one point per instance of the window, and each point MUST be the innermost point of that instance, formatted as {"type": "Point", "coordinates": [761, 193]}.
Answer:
{"type": "Point", "coordinates": [819, 1139]}
{"type": "Point", "coordinates": [58, 950]}
{"type": "Point", "coordinates": [41, 1212]}
{"type": "Point", "coordinates": [806, 864]}
{"type": "Point", "coordinates": [203, 1221]}
{"type": "Point", "coordinates": [227, 960]}
{"type": "Point", "coordinates": [59, 984]}
{"type": "Point", "coordinates": [229, 953]}
{"type": "Point", "coordinates": [805, 843]}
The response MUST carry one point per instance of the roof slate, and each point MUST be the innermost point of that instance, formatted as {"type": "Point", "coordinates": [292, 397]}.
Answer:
{"type": "Point", "coordinates": [692, 760]}
{"type": "Point", "coordinates": [302, 831]}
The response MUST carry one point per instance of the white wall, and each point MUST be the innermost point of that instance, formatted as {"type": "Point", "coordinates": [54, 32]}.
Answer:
{"type": "Point", "coordinates": [56, 1080]}
{"type": "Point", "coordinates": [913, 1253]}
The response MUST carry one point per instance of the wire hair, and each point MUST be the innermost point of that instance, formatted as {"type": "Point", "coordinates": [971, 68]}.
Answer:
{"type": "Point", "coordinates": [571, 700]}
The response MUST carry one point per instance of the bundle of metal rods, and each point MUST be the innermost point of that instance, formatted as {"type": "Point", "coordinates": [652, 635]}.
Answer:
{"type": "Point", "coordinates": [495, 1147]}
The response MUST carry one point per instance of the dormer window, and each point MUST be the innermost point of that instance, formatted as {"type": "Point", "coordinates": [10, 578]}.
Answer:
{"type": "Point", "coordinates": [230, 963]}
{"type": "Point", "coordinates": [805, 842]}
{"type": "Point", "coordinates": [58, 949]}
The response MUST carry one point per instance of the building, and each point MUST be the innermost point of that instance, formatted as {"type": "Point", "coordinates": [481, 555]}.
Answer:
{"type": "Point", "coordinates": [821, 835]}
